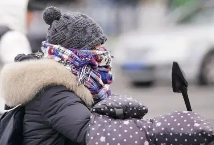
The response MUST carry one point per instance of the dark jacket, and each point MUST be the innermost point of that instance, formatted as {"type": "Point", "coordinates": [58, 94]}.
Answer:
{"type": "Point", "coordinates": [56, 108]}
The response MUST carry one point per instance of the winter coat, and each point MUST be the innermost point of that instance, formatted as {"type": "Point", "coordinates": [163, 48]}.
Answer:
{"type": "Point", "coordinates": [13, 15]}
{"type": "Point", "coordinates": [118, 121]}
{"type": "Point", "coordinates": [56, 108]}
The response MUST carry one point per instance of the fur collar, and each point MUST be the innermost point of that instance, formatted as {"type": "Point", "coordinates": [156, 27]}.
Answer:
{"type": "Point", "coordinates": [21, 81]}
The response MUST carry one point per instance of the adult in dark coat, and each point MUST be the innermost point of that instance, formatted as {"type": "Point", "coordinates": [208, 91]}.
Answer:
{"type": "Point", "coordinates": [56, 110]}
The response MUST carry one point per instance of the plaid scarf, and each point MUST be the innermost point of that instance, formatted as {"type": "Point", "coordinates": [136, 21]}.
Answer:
{"type": "Point", "coordinates": [92, 67]}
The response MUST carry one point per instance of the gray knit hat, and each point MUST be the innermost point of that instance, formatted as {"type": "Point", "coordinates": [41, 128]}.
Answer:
{"type": "Point", "coordinates": [74, 30]}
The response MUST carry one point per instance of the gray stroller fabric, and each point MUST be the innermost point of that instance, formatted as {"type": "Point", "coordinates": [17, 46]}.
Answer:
{"type": "Point", "coordinates": [118, 120]}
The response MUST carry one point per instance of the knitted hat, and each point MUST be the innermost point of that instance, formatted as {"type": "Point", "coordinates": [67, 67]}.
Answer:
{"type": "Point", "coordinates": [74, 30]}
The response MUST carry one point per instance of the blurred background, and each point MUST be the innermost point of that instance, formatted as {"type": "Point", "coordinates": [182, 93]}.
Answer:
{"type": "Point", "coordinates": [145, 37]}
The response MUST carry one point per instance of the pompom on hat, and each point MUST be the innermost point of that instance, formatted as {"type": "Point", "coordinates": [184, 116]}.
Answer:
{"type": "Point", "coordinates": [51, 14]}
{"type": "Point", "coordinates": [73, 30]}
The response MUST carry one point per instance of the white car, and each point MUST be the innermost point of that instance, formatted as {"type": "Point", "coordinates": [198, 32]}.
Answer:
{"type": "Point", "coordinates": [146, 57]}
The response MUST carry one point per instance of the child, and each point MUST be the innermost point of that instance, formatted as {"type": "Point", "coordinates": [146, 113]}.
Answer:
{"type": "Point", "coordinates": [74, 72]}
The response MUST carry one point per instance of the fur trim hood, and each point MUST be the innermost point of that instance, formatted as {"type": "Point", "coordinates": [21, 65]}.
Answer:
{"type": "Point", "coordinates": [21, 81]}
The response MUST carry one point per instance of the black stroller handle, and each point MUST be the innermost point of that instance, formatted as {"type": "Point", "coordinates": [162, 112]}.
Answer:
{"type": "Point", "coordinates": [180, 84]}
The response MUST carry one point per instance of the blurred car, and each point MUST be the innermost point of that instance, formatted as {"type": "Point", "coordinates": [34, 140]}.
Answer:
{"type": "Point", "coordinates": [147, 57]}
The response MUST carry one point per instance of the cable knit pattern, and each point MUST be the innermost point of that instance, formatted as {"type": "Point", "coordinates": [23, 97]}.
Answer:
{"type": "Point", "coordinates": [73, 30]}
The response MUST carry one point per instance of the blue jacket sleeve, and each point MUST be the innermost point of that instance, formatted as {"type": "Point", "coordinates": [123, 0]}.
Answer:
{"type": "Point", "coordinates": [66, 113]}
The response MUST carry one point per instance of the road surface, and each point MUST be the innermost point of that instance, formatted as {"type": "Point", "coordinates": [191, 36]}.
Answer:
{"type": "Point", "coordinates": [160, 99]}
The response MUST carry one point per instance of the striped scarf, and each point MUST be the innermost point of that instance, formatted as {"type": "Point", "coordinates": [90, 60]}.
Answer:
{"type": "Point", "coordinates": [92, 67]}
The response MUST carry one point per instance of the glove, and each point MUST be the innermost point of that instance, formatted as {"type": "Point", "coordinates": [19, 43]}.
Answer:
{"type": "Point", "coordinates": [23, 57]}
